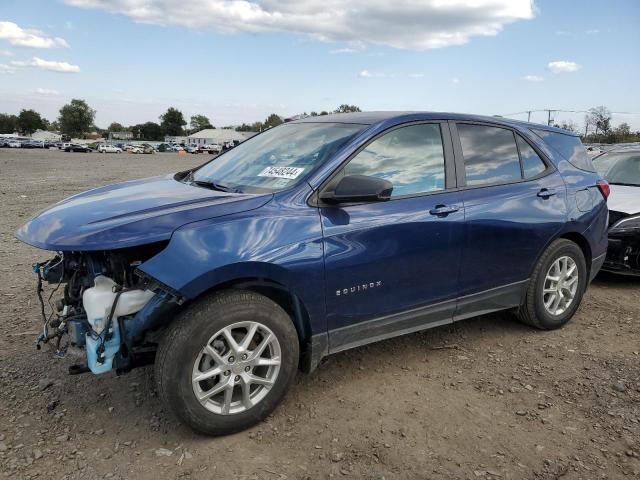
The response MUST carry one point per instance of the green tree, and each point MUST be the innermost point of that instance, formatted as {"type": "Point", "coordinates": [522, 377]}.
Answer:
{"type": "Point", "coordinates": [8, 123]}
{"type": "Point", "coordinates": [323, 112]}
{"type": "Point", "coordinates": [116, 127]}
{"type": "Point", "coordinates": [29, 121]}
{"type": "Point", "coordinates": [54, 126]}
{"type": "Point", "coordinates": [200, 122]}
{"type": "Point", "coordinates": [76, 118]}
{"type": "Point", "coordinates": [344, 108]}
{"type": "Point", "coordinates": [272, 120]}
{"type": "Point", "coordinates": [172, 122]}
{"type": "Point", "coordinates": [148, 131]}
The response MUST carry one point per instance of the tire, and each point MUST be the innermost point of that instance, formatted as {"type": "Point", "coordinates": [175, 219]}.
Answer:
{"type": "Point", "coordinates": [533, 311]}
{"type": "Point", "coordinates": [181, 356]}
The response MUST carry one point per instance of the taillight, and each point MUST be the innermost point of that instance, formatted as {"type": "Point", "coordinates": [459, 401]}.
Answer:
{"type": "Point", "coordinates": [604, 188]}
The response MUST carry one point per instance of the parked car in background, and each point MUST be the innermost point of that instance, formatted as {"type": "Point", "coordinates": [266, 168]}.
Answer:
{"type": "Point", "coordinates": [75, 147]}
{"type": "Point", "coordinates": [134, 149]}
{"type": "Point", "coordinates": [317, 236]}
{"type": "Point", "coordinates": [105, 148]}
{"type": "Point", "coordinates": [191, 149]}
{"type": "Point", "coordinates": [14, 144]}
{"type": "Point", "coordinates": [212, 148]}
{"type": "Point", "coordinates": [621, 168]}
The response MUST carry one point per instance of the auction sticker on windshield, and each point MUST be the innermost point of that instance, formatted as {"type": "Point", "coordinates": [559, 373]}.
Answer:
{"type": "Point", "coordinates": [281, 172]}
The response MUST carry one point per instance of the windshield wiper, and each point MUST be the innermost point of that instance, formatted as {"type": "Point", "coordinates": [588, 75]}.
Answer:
{"type": "Point", "coordinates": [215, 186]}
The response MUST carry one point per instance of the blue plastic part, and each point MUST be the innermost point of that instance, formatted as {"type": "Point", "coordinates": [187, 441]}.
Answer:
{"type": "Point", "coordinates": [111, 347]}
{"type": "Point", "coordinates": [77, 332]}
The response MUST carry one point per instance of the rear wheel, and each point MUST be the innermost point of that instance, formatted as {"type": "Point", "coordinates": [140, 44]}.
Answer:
{"type": "Point", "coordinates": [556, 286]}
{"type": "Point", "coordinates": [227, 362]}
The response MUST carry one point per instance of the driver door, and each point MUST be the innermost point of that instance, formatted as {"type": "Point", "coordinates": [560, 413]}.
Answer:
{"type": "Point", "coordinates": [392, 267]}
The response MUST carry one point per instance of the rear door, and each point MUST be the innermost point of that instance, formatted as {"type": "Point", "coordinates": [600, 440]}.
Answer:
{"type": "Point", "coordinates": [514, 205]}
{"type": "Point", "coordinates": [392, 267]}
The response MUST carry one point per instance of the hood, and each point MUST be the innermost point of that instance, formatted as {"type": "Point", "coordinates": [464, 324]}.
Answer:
{"type": "Point", "coordinates": [128, 214]}
{"type": "Point", "coordinates": [624, 199]}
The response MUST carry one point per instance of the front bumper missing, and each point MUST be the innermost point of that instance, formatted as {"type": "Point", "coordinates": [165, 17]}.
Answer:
{"type": "Point", "coordinates": [623, 255]}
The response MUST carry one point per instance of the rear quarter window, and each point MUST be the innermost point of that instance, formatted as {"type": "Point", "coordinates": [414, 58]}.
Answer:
{"type": "Point", "coordinates": [568, 147]}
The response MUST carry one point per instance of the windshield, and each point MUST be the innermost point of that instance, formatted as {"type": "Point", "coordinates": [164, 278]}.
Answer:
{"type": "Point", "coordinates": [277, 158]}
{"type": "Point", "coordinates": [619, 168]}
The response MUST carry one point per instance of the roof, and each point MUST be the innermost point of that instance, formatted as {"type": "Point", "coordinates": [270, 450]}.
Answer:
{"type": "Point", "coordinates": [370, 118]}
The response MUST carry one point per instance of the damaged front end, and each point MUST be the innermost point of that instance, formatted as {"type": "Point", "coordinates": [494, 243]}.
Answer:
{"type": "Point", "coordinates": [623, 253]}
{"type": "Point", "coordinates": [105, 310]}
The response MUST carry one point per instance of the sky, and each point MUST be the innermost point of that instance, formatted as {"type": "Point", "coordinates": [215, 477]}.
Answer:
{"type": "Point", "coordinates": [240, 60]}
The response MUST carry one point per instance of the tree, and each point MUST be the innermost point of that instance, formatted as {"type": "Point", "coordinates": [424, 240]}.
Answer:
{"type": "Point", "coordinates": [601, 118]}
{"type": "Point", "coordinates": [568, 125]}
{"type": "Point", "coordinates": [148, 131]}
{"type": "Point", "coordinates": [29, 121]}
{"type": "Point", "coordinates": [172, 122]}
{"type": "Point", "coordinates": [8, 123]}
{"type": "Point", "coordinates": [54, 126]}
{"type": "Point", "coordinates": [116, 127]}
{"type": "Point", "coordinates": [272, 120]}
{"type": "Point", "coordinates": [323, 112]}
{"type": "Point", "coordinates": [623, 130]}
{"type": "Point", "coordinates": [344, 108]}
{"type": "Point", "coordinates": [76, 118]}
{"type": "Point", "coordinates": [200, 122]}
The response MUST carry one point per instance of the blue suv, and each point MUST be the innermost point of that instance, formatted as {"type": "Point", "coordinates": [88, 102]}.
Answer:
{"type": "Point", "coordinates": [314, 237]}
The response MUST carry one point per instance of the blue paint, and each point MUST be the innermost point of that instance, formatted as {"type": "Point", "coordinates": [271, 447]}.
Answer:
{"type": "Point", "coordinates": [494, 237]}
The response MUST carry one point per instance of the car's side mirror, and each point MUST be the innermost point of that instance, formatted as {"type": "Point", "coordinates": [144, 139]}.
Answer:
{"type": "Point", "coordinates": [359, 188]}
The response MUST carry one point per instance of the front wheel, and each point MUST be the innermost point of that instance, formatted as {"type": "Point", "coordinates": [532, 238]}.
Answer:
{"type": "Point", "coordinates": [556, 287]}
{"type": "Point", "coordinates": [227, 362]}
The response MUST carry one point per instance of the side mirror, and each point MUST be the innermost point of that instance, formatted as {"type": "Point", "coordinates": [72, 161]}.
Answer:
{"type": "Point", "coordinates": [359, 188]}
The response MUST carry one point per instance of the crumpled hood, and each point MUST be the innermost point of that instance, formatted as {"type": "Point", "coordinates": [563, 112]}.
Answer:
{"type": "Point", "coordinates": [129, 213]}
{"type": "Point", "coordinates": [624, 199]}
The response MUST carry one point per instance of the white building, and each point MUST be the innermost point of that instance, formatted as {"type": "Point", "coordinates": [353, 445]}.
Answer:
{"type": "Point", "coordinates": [45, 136]}
{"type": "Point", "coordinates": [209, 136]}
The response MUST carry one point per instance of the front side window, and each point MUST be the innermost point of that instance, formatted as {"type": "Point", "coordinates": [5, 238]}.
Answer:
{"type": "Point", "coordinates": [532, 164]}
{"type": "Point", "coordinates": [411, 158]}
{"type": "Point", "coordinates": [278, 158]}
{"type": "Point", "coordinates": [490, 154]}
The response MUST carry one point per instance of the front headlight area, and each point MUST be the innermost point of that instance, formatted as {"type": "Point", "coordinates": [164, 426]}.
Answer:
{"type": "Point", "coordinates": [627, 225]}
{"type": "Point", "coordinates": [96, 307]}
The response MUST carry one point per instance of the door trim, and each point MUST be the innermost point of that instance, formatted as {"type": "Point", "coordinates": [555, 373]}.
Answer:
{"type": "Point", "coordinates": [426, 317]}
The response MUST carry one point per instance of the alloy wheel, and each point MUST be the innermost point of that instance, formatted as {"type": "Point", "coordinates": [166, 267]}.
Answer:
{"type": "Point", "coordinates": [560, 285]}
{"type": "Point", "coordinates": [236, 368]}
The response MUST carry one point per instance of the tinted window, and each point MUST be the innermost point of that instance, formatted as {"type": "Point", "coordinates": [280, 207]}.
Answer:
{"type": "Point", "coordinates": [411, 158]}
{"type": "Point", "coordinates": [278, 158]}
{"type": "Point", "coordinates": [569, 147]}
{"type": "Point", "coordinates": [619, 168]}
{"type": "Point", "coordinates": [532, 164]}
{"type": "Point", "coordinates": [490, 154]}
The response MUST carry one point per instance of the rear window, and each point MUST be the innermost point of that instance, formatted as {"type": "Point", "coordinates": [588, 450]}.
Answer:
{"type": "Point", "coordinates": [569, 147]}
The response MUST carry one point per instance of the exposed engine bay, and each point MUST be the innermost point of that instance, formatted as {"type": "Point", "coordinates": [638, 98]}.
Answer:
{"type": "Point", "coordinates": [105, 310]}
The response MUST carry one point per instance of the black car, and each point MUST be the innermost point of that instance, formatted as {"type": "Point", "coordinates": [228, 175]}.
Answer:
{"type": "Point", "coordinates": [77, 148]}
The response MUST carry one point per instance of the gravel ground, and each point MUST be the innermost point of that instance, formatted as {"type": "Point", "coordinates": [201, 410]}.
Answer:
{"type": "Point", "coordinates": [484, 398]}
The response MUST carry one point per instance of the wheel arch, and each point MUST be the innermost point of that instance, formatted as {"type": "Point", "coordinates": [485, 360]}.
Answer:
{"type": "Point", "coordinates": [575, 237]}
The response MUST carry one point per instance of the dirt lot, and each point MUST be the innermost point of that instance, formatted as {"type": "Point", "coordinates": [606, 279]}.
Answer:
{"type": "Point", "coordinates": [485, 398]}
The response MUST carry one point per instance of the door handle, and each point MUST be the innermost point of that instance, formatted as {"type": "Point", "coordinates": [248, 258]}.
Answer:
{"type": "Point", "coordinates": [443, 210]}
{"type": "Point", "coordinates": [546, 193]}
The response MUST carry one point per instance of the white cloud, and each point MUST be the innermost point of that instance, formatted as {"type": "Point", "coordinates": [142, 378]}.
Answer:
{"type": "Point", "coordinates": [47, 91]}
{"type": "Point", "coordinates": [6, 53]}
{"type": "Point", "coordinates": [563, 66]}
{"type": "Point", "coordinates": [410, 24]}
{"type": "Point", "coordinates": [50, 65]}
{"type": "Point", "coordinates": [370, 74]}
{"type": "Point", "coordinates": [562, 33]}
{"type": "Point", "coordinates": [593, 31]}
{"type": "Point", "coordinates": [416, 75]}
{"type": "Point", "coordinates": [21, 37]}
{"type": "Point", "coordinates": [338, 51]}
{"type": "Point", "coordinates": [6, 69]}
{"type": "Point", "coordinates": [455, 80]}
{"type": "Point", "coordinates": [533, 78]}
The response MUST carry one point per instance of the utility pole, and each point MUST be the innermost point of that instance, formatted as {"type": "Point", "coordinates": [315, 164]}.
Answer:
{"type": "Point", "coordinates": [548, 110]}
{"type": "Point", "coordinates": [529, 116]}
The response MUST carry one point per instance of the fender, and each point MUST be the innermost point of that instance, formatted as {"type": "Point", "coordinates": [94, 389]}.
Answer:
{"type": "Point", "coordinates": [280, 241]}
